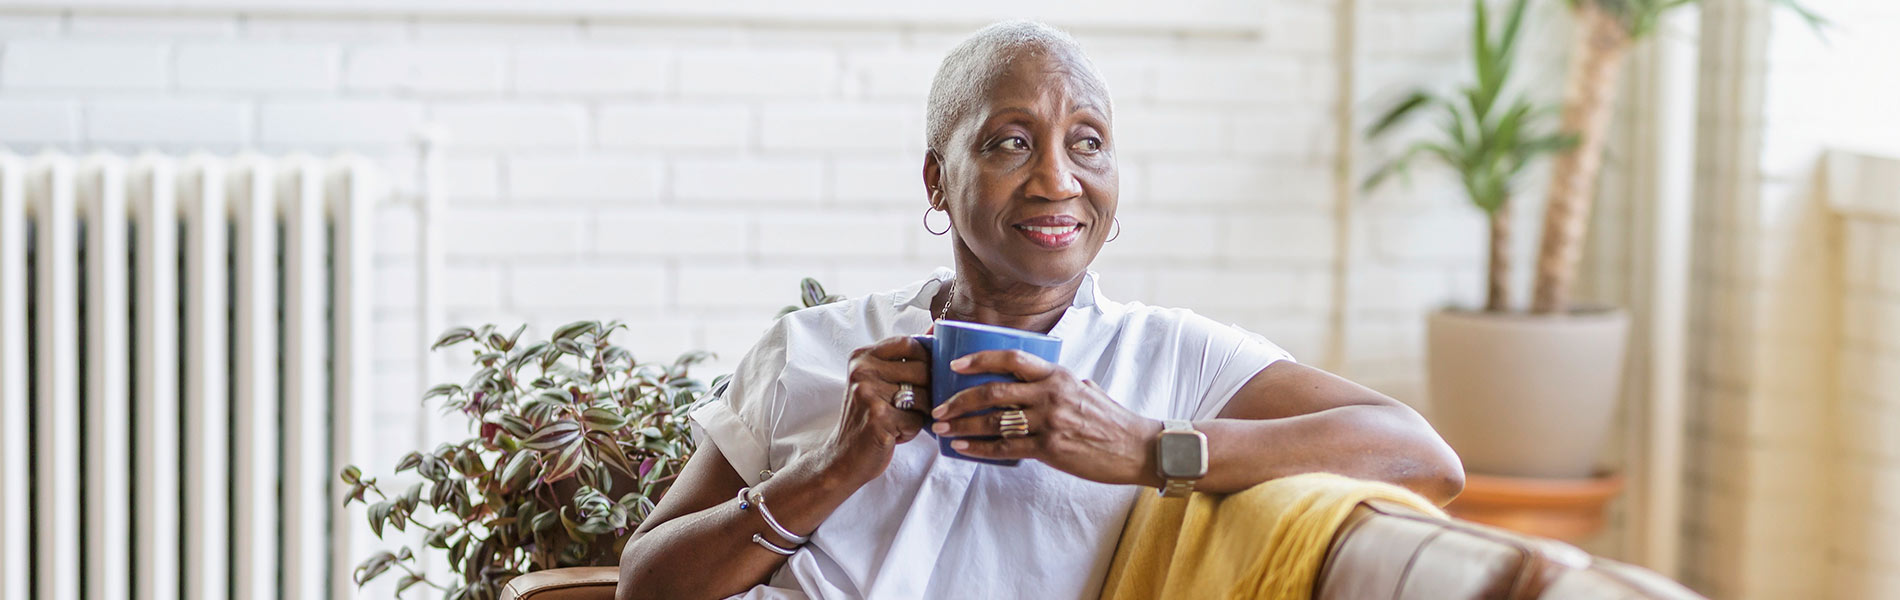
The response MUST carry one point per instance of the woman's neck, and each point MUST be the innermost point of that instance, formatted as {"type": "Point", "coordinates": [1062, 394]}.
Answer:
{"type": "Point", "coordinates": [1019, 306]}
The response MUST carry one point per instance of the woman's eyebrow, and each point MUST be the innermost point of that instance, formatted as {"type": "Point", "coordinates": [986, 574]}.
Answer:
{"type": "Point", "coordinates": [994, 114]}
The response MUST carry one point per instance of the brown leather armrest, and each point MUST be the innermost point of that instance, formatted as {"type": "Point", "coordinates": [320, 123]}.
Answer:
{"type": "Point", "coordinates": [573, 583]}
{"type": "Point", "coordinates": [1386, 550]}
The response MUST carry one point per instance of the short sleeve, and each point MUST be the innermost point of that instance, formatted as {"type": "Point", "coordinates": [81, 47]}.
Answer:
{"type": "Point", "coordinates": [738, 421]}
{"type": "Point", "coordinates": [1232, 357]}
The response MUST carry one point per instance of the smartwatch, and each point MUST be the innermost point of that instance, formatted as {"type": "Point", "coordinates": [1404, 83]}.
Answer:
{"type": "Point", "coordinates": [1181, 453]}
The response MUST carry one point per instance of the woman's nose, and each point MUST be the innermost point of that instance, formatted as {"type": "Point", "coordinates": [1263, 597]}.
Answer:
{"type": "Point", "coordinates": [1051, 178]}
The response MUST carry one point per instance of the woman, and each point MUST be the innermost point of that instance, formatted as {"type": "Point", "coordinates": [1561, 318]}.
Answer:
{"type": "Point", "coordinates": [1021, 156]}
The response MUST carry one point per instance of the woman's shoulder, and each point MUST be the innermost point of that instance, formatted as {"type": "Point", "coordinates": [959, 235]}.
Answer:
{"type": "Point", "coordinates": [1180, 324]}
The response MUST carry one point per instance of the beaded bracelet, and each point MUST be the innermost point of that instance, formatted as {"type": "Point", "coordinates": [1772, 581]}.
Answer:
{"type": "Point", "coordinates": [749, 498]}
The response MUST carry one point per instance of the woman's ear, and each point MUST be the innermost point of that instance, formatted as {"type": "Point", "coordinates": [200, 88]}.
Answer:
{"type": "Point", "coordinates": [933, 179]}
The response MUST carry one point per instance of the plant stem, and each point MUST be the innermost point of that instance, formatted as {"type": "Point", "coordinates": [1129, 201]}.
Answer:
{"type": "Point", "coordinates": [1596, 60]}
{"type": "Point", "coordinates": [1497, 296]}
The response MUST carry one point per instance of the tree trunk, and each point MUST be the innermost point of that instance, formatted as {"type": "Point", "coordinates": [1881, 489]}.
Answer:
{"type": "Point", "coordinates": [1596, 59]}
{"type": "Point", "coordinates": [1497, 297]}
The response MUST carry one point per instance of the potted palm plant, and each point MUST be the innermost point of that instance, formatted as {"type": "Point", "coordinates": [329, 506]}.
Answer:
{"type": "Point", "coordinates": [1531, 394]}
{"type": "Point", "coordinates": [1495, 373]}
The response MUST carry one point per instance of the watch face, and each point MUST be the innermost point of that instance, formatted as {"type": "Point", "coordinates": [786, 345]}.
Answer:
{"type": "Point", "coordinates": [1183, 455]}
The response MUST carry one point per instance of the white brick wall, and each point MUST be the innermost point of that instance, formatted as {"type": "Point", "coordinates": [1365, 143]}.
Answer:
{"type": "Point", "coordinates": [683, 176]}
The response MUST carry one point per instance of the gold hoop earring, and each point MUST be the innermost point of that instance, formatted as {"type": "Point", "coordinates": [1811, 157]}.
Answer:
{"type": "Point", "coordinates": [1115, 233]}
{"type": "Point", "coordinates": [946, 226]}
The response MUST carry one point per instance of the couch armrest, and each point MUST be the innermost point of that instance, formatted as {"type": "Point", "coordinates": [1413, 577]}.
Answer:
{"type": "Point", "coordinates": [573, 583]}
{"type": "Point", "coordinates": [1386, 550]}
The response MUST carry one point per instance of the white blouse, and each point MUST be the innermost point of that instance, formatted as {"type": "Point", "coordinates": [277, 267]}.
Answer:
{"type": "Point", "coordinates": [935, 527]}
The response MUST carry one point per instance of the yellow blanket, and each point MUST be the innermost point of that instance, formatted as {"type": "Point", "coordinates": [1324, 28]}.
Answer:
{"type": "Point", "coordinates": [1265, 542]}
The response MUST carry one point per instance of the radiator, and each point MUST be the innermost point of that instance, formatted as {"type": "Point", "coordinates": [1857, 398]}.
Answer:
{"type": "Point", "coordinates": [178, 338]}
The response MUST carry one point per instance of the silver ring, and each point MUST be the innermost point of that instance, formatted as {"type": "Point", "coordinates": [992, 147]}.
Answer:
{"type": "Point", "coordinates": [905, 398]}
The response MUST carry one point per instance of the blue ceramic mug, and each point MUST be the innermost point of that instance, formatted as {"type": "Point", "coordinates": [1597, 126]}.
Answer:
{"type": "Point", "coordinates": [955, 339]}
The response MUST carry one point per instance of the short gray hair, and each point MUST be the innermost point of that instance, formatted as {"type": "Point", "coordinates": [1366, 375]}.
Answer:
{"type": "Point", "coordinates": [966, 73]}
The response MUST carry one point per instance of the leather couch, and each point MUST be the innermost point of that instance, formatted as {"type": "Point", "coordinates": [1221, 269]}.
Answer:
{"type": "Point", "coordinates": [1383, 551]}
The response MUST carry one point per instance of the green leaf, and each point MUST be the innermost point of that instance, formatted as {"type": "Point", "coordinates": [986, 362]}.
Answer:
{"type": "Point", "coordinates": [446, 389]}
{"type": "Point", "coordinates": [688, 359]}
{"type": "Point", "coordinates": [615, 355]}
{"type": "Point", "coordinates": [811, 292]}
{"type": "Point", "coordinates": [524, 354]}
{"type": "Point", "coordinates": [407, 581]}
{"type": "Point", "coordinates": [453, 336]}
{"type": "Point", "coordinates": [553, 435]}
{"type": "Point", "coordinates": [409, 461]}
{"type": "Point", "coordinates": [375, 565]}
{"type": "Point", "coordinates": [602, 420]}
{"type": "Point", "coordinates": [1399, 112]}
{"type": "Point", "coordinates": [566, 463]}
{"type": "Point", "coordinates": [352, 475]}
{"type": "Point", "coordinates": [433, 468]}
{"type": "Point", "coordinates": [573, 330]}
{"type": "Point", "coordinates": [514, 426]}
{"type": "Point", "coordinates": [378, 515]}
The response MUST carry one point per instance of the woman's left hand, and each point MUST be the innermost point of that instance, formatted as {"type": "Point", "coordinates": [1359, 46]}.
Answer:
{"type": "Point", "coordinates": [1073, 425]}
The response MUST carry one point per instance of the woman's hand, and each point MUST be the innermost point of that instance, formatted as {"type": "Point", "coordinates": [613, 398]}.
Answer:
{"type": "Point", "coordinates": [872, 426]}
{"type": "Point", "coordinates": [1073, 425]}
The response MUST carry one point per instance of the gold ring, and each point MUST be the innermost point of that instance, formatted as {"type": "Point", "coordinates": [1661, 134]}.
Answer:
{"type": "Point", "coordinates": [1013, 423]}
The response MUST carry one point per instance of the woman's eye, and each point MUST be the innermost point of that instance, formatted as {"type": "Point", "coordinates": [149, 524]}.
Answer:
{"type": "Point", "coordinates": [1013, 143]}
{"type": "Point", "coordinates": [1087, 145]}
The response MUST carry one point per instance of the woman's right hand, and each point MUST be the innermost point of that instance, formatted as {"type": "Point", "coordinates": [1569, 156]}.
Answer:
{"type": "Point", "coordinates": [871, 426]}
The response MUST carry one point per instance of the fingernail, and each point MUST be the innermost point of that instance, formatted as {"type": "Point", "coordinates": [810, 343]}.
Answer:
{"type": "Point", "coordinates": [959, 364]}
{"type": "Point", "coordinates": [938, 412]}
{"type": "Point", "coordinates": [959, 445]}
{"type": "Point", "coordinates": [941, 428]}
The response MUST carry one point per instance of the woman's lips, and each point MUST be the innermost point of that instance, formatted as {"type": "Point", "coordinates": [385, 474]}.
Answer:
{"type": "Point", "coordinates": [1052, 237]}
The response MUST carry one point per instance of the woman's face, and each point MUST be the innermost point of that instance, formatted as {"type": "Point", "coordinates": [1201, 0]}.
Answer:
{"type": "Point", "coordinates": [1029, 176]}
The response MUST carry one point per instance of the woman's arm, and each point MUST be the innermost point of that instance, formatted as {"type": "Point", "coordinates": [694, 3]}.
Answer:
{"type": "Point", "coordinates": [1288, 419]}
{"type": "Point", "coordinates": [1310, 420]}
{"type": "Point", "coordinates": [698, 544]}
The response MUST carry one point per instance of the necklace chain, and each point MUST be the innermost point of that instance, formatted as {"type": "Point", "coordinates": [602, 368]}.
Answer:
{"type": "Point", "coordinates": [946, 300]}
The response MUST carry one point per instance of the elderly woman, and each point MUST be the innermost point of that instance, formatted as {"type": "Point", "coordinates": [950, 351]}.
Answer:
{"type": "Point", "coordinates": [811, 481]}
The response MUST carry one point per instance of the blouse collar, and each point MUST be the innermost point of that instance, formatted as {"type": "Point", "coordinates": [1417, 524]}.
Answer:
{"type": "Point", "coordinates": [923, 292]}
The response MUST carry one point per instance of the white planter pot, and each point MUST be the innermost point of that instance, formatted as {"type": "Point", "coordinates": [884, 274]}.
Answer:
{"type": "Point", "coordinates": [1524, 395]}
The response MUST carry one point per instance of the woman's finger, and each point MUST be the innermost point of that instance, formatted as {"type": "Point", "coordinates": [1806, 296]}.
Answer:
{"type": "Point", "coordinates": [901, 347]}
{"type": "Point", "coordinates": [981, 425]}
{"type": "Point", "coordinates": [907, 424]}
{"type": "Point", "coordinates": [1025, 366]}
{"type": "Point", "coordinates": [1020, 447]}
{"type": "Point", "coordinates": [894, 372]}
{"type": "Point", "coordinates": [989, 395]}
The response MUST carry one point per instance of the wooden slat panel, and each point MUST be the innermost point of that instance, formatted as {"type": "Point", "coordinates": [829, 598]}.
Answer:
{"type": "Point", "coordinates": [56, 385]}
{"type": "Point", "coordinates": [155, 495]}
{"type": "Point", "coordinates": [207, 432]}
{"type": "Point", "coordinates": [254, 401]}
{"type": "Point", "coordinates": [307, 470]}
{"type": "Point", "coordinates": [15, 503]}
{"type": "Point", "coordinates": [108, 458]}
{"type": "Point", "coordinates": [351, 202]}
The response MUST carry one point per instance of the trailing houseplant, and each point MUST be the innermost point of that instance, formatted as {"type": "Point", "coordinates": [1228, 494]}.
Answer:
{"type": "Point", "coordinates": [575, 442]}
